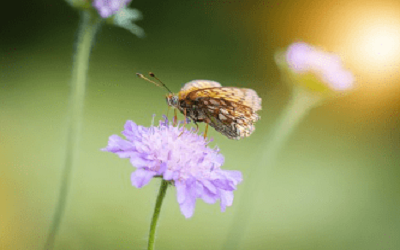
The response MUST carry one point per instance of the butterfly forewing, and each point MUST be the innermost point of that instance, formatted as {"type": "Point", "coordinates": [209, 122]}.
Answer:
{"type": "Point", "coordinates": [196, 85]}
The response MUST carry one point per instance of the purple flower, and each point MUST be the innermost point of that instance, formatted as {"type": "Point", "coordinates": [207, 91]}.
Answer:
{"type": "Point", "coordinates": [184, 159]}
{"type": "Point", "coordinates": [303, 58]}
{"type": "Point", "coordinates": [107, 8]}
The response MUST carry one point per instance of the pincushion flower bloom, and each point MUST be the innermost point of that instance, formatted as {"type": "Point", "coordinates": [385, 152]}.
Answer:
{"type": "Point", "coordinates": [183, 159]}
{"type": "Point", "coordinates": [314, 69]}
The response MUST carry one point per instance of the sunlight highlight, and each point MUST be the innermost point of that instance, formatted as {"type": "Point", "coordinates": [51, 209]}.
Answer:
{"type": "Point", "coordinates": [372, 43]}
{"type": "Point", "coordinates": [381, 46]}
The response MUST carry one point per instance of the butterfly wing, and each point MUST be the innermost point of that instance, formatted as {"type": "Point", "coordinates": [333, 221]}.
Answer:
{"type": "Point", "coordinates": [196, 85]}
{"type": "Point", "coordinates": [231, 111]}
{"type": "Point", "coordinates": [232, 126]}
{"type": "Point", "coordinates": [240, 96]}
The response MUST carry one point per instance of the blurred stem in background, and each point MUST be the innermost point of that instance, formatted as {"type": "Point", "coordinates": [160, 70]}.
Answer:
{"type": "Point", "coordinates": [89, 25]}
{"type": "Point", "coordinates": [156, 214]}
{"type": "Point", "coordinates": [300, 104]}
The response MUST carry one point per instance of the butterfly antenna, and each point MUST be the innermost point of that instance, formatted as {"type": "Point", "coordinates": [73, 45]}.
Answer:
{"type": "Point", "coordinates": [154, 76]}
{"type": "Point", "coordinates": [147, 79]}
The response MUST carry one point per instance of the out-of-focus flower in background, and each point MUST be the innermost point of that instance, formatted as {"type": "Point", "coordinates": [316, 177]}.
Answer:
{"type": "Point", "coordinates": [319, 71]}
{"type": "Point", "coordinates": [314, 75]}
{"type": "Point", "coordinates": [115, 12]}
{"type": "Point", "coordinates": [107, 8]}
{"type": "Point", "coordinates": [182, 158]}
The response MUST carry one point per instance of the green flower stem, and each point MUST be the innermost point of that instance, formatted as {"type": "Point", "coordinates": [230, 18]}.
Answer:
{"type": "Point", "coordinates": [88, 27]}
{"type": "Point", "coordinates": [156, 214]}
{"type": "Point", "coordinates": [300, 104]}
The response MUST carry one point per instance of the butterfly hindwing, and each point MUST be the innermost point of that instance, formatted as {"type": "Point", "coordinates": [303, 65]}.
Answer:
{"type": "Point", "coordinates": [233, 124]}
{"type": "Point", "coordinates": [241, 96]}
{"type": "Point", "coordinates": [227, 117]}
{"type": "Point", "coordinates": [229, 110]}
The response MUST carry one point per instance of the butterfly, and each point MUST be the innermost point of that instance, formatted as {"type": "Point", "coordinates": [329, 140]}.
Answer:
{"type": "Point", "coordinates": [230, 111]}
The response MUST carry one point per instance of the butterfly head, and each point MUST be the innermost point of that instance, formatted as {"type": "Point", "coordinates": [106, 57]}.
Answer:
{"type": "Point", "coordinates": [172, 100]}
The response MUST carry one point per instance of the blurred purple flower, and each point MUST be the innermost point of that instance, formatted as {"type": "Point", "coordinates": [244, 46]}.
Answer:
{"type": "Point", "coordinates": [107, 8]}
{"type": "Point", "coordinates": [184, 159]}
{"type": "Point", "coordinates": [303, 58]}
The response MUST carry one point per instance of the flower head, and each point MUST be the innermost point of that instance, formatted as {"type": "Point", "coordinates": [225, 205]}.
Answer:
{"type": "Point", "coordinates": [107, 8]}
{"type": "Point", "coordinates": [114, 12]}
{"type": "Point", "coordinates": [183, 158]}
{"type": "Point", "coordinates": [314, 68]}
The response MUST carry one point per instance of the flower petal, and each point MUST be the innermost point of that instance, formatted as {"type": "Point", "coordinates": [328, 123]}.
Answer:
{"type": "Point", "coordinates": [209, 186]}
{"type": "Point", "coordinates": [180, 191]}
{"type": "Point", "coordinates": [137, 160]}
{"type": "Point", "coordinates": [189, 203]}
{"type": "Point", "coordinates": [226, 199]}
{"type": "Point", "coordinates": [168, 175]}
{"type": "Point", "coordinates": [141, 177]}
{"type": "Point", "coordinates": [233, 175]}
{"type": "Point", "coordinates": [117, 144]}
{"type": "Point", "coordinates": [208, 196]}
{"type": "Point", "coordinates": [107, 8]}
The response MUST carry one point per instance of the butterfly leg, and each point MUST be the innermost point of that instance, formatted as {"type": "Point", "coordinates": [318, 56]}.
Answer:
{"type": "Point", "coordinates": [197, 126]}
{"type": "Point", "coordinates": [175, 120]}
{"type": "Point", "coordinates": [184, 124]}
{"type": "Point", "coordinates": [184, 113]}
{"type": "Point", "coordinates": [169, 107]}
{"type": "Point", "coordinates": [205, 132]}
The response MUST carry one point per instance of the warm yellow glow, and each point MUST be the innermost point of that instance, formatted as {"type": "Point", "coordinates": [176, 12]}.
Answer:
{"type": "Point", "coordinates": [371, 41]}
{"type": "Point", "coordinates": [379, 45]}
{"type": "Point", "coordinates": [366, 35]}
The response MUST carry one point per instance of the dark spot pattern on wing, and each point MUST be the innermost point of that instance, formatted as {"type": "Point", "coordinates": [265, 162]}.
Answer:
{"type": "Point", "coordinates": [230, 111]}
{"type": "Point", "coordinates": [230, 119]}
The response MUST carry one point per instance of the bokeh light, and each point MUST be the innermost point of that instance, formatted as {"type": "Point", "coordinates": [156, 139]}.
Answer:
{"type": "Point", "coordinates": [373, 41]}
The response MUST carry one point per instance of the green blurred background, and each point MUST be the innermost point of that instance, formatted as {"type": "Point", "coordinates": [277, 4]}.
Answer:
{"type": "Point", "coordinates": [335, 186]}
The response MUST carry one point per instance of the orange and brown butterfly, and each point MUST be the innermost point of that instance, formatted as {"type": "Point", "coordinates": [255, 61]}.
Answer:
{"type": "Point", "coordinates": [229, 110]}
